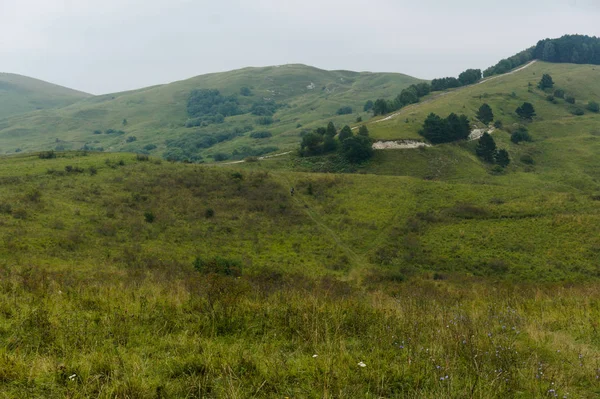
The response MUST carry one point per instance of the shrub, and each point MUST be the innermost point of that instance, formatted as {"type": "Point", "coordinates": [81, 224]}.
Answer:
{"type": "Point", "coordinates": [344, 110]}
{"type": "Point", "coordinates": [97, 131]}
{"type": "Point", "coordinates": [559, 93]}
{"type": "Point", "coordinates": [150, 147]}
{"type": "Point", "coordinates": [527, 159]}
{"type": "Point", "coordinates": [551, 99]}
{"type": "Point", "coordinates": [73, 169]}
{"type": "Point", "coordinates": [219, 157]}
{"type": "Point", "coordinates": [93, 170]}
{"type": "Point", "coordinates": [141, 157]}
{"type": "Point", "coordinates": [578, 112]}
{"type": "Point", "coordinates": [47, 155]}
{"type": "Point", "coordinates": [264, 120]}
{"type": "Point", "coordinates": [209, 213]}
{"type": "Point", "coordinates": [218, 265]}
{"type": "Point", "coordinates": [131, 139]}
{"type": "Point", "coordinates": [149, 217]}
{"type": "Point", "coordinates": [520, 135]}
{"type": "Point", "coordinates": [593, 106]}
{"type": "Point", "coordinates": [261, 135]}
{"type": "Point", "coordinates": [498, 125]}
{"type": "Point", "coordinates": [570, 100]}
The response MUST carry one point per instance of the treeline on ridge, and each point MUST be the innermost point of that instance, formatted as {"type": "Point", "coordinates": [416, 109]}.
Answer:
{"type": "Point", "coordinates": [576, 49]}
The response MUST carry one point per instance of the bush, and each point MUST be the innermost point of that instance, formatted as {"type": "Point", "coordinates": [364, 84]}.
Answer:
{"type": "Point", "coordinates": [219, 157]}
{"type": "Point", "coordinates": [357, 149]}
{"type": "Point", "coordinates": [551, 99]}
{"type": "Point", "coordinates": [578, 112]}
{"type": "Point", "coordinates": [218, 265]}
{"type": "Point", "coordinates": [559, 93]}
{"type": "Point", "coordinates": [141, 157]}
{"type": "Point", "coordinates": [520, 135]}
{"type": "Point", "coordinates": [261, 135]}
{"type": "Point", "coordinates": [527, 159]}
{"type": "Point", "coordinates": [73, 169]}
{"type": "Point", "coordinates": [344, 111]}
{"type": "Point", "coordinates": [264, 120]}
{"type": "Point", "coordinates": [593, 106]}
{"type": "Point", "coordinates": [131, 139]}
{"type": "Point", "coordinates": [150, 147]}
{"type": "Point", "coordinates": [97, 131]}
{"type": "Point", "coordinates": [209, 213]}
{"type": "Point", "coordinates": [149, 217]}
{"type": "Point", "coordinates": [93, 171]}
{"type": "Point", "coordinates": [570, 100]}
{"type": "Point", "coordinates": [47, 155]}
{"type": "Point", "coordinates": [498, 125]}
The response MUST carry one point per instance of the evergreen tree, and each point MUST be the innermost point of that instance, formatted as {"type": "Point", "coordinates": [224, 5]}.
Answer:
{"type": "Point", "coordinates": [330, 131]}
{"type": "Point", "coordinates": [546, 82]}
{"type": "Point", "coordinates": [502, 158]}
{"type": "Point", "coordinates": [486, 148]}
{"type": "Point", "coordinates": [368, 106]}
{"type": "Point", "coordinates": [526, 111]}
{"type": "Point", "coordinates": [345, 133]}
{"type": "Point", "coordinates": [363, 131]}
{"type": "Point", "coordinates": [357, 149]}
{"type": "Point", "coordinates": [485, 114]}
{"type": "Point", "coordinates": [329, 144]}
{"type": "Point", "coordinates": [593, 106]}
{"type": "Point", "coordinates": [433, 129]}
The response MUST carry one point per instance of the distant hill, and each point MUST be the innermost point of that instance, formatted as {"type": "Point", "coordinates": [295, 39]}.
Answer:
{"type": "Point", "coordinates": [275, 103]}
{"type": "Point", "coordinates": [21, 94]}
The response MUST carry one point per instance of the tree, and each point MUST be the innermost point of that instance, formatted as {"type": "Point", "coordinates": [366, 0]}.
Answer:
{"type": "Point", "coordinates": [329, 144]}
{"type": "Point", "coordinates": [593, 106]}
{"type": "Point", "coordinates": [311, 143]}
{"type": "Point", "coordinates": [526, 111]}
{"type": "Point", "coordinates": [502, 158]}
{"type": "Point", "coordinates": [124, 123]}
{"type": "Point", "coordinates": [344, 110]}
{"type": "Point", "coordinates": [559, 93]}
{"type": "Point", "coordinates": [368, 106]}
{"type": "Point", "coordinates": [380, 107]}
{"type": "Point", "coordinates": [357, 149]}
{"type": "Point", "coordinates": [469, 77]}
{"type": "Point", "coordinates": [345, 133]}
{"type": "Point", "coordinates": [457, 127]}
{"type": "Point", "coordinates": [486, 148]}
{"type": "Point", "coordinates": [549, 52]}
{"type": "Point", "coordinates": [485, 114]}
{"type": "Point", "coordinates": [546, 82]}
{"type": "Point", "coordinates": [433, 129]}
{"type": "Point", "coordinates": [330, 131]}
{"type": "Point", "coordinates": [363, 131]}
{"type": "Point", "coordinates": [245, 91]}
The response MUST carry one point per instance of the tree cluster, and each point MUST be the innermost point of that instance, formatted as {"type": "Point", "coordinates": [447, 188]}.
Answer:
{"type": "Point", "coordinates": [467, 77]}
{"type": "Point", "coordinates": [444, 130]}
{"type": "Point", "coordinates": [353, 148]}
{"type": "Point", "coordinates": [526, 111]}
{"type": "Point", "coordinates": [510, 63]}
{"type": "Point", "coordinates": [576, 49]}
{"type": "Point", "coordinates": [410, 95]}
{"type": "Point", "coordinates": [487, 151]}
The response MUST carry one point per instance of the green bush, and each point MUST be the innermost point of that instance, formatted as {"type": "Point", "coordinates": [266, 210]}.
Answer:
{"type": "Point", "coordinates": [520, 135]}
{"type": "Point", "coordinates": [261, 135]}
{"type": "Point", "coordinates": [593, 106]}
{"type": "Point", "coordinates": [218, 265]}
{"type": "Point", "coordinates": [570, 100]}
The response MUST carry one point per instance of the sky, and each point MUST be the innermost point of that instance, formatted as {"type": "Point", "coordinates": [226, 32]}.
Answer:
{"type": "Point", "coordinates": [104, 46]}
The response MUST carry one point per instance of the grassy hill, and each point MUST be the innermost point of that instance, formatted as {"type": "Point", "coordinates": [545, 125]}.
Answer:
{"type": "Point", "coordinates": [20, 94]}
{"type": "Point", "coordinates": [306, 97]}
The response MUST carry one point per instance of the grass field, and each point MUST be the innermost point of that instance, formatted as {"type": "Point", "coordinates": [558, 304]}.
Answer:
{"type": "Point", "coordinates": [421, 274]}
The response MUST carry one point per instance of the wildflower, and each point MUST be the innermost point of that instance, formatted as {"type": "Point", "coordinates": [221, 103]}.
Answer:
{"type": "Point", "coordinates": [72, 377]}
{"type": "Point", "coordinates": [315, 356]}
{"type": "Point", "coordinates": [362, 364]}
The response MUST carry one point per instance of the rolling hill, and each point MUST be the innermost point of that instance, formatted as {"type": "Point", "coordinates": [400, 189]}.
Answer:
{"type": "Point", "coordinates": [21, 94]}
{"type": "Point", "coordinates": [154, 119]}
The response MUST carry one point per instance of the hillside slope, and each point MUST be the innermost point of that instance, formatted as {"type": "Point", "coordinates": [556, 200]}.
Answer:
{"type": "Point", "coordinates": [564, 145]}
{"type": "Point", "coordinates": [141, 120]}
{"type": "Point", "coordinates": [21, 94]}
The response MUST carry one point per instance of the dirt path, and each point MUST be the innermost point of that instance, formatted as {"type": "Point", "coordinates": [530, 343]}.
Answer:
{"type": "Point", "coordinates": [259, 158]}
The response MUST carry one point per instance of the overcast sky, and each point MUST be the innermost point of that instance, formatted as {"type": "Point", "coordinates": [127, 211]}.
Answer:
{"type": "Point", "coordinates": [103, 46]}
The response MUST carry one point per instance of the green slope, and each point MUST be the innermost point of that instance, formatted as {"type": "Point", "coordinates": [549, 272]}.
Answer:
{"type": "Point", "coordinates": [21, 94]}
{"type": "Point", "coordinates": [309, 97]}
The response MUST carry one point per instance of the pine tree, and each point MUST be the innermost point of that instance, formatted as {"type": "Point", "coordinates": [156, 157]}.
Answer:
{"type": "Point", "coordinates": [331, 131]}
{"type": "Point", "coordinates": [546, 82]}
{"type": "Point", "coordinates": [486, 148]}
{"type": "Point", "coordinates": [345, 133]}
{"type": "Point", "coordinates": [485, 114]}
{"type": "Point", "coordinates": [502, 158]}
{"type": "Point", "coordinates": [363, 131]}
{"type": "Point", "coordinates": [526, 111]}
